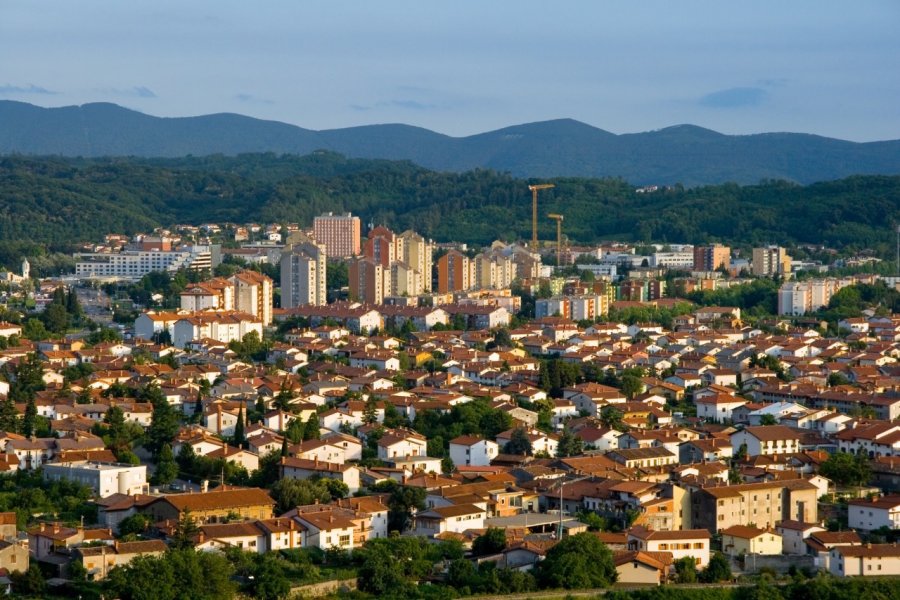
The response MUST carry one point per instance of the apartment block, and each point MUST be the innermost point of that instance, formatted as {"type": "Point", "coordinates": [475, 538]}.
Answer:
{"type": "Point", "coordinates": [771, 261]}
{"type": "Point", "coordinates": [367, 279]}
{"type": "Point", "coordinates": [303, 272]}
{"type": "Point", "coordinates": [454, 272]}
{"type": "Point", "coordinates": [339, 234]}
{"type": "Point", "coordinates": [711, 258]}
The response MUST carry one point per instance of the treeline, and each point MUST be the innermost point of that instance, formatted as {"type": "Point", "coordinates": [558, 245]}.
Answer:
{"type": "Point", "coordinates": [56, 201]}
{"type": "Point", "coordinates": [821, 588]}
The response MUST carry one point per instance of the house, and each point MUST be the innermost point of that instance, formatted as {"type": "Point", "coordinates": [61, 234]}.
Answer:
{"type": "Point", "coordinates": [327, 528]}
{"type": "Point", "coordinates": [104, 479]}
{"type": "Point", "coordinates": [820, 544]}
{"type": "Point", "coordinates": [640, 568]}
{"type": "Point", "coordinates": [14, 555]}
{"type": "Point", "coordinates": [794, 534]}
{"type": "Point", "coordinates": [300, 468]}
{"type": "Point", "coordinates": [643, 457]}
{"type": "Point", "coordinates": [746, 539]}
{"type": "Point", "coordinates": [99, 560]}
{"type": "Point", "coordinates": [766, 440]}
{"type": "Point", "coordinates": [763, 504]}
{"type": "Point", "coordinates": [455, 518]}
{"type": "Point", "coordinates": [473, 450]}
{"type": "Point", "coordinates": [688, 542]}
{"type": "Point", "coordinates": [243, 534]}
{"type": "Point", "coordinates": [875, 513]}
{"type": "Point", "coordinates": [215, 506]}
{"type": "Point", "coordinates": [717, 407]}
{"type": "Point", "coordinates": [401, 442]}
{"type": "Point", "coordinates": [868, 560]}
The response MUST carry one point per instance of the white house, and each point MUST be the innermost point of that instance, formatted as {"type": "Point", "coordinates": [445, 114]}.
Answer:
{"type": "Point", "coordinates": [456, 518]}
{"type": "Point", "coordinates": [875, 513]}
{"type": "Point", "coordinates": [105, 479]}
{"type": "Point", "coordinates": [473, 450]}
{"type": "Point", "coordinates": [766, 440]}
{"type": "Point", "coordinates": [688, 542]}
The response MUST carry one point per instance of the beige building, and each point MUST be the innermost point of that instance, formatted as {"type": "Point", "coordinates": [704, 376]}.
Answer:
{"type": "Point", "coordinates": [745, 539]}
{"type": "Point", "coordinates": [689, 542]}
{"type": "Point", "coordinates": [416, 253]}
{"type": "Point", "coordinates": [367, 279]}
{"type": "Point", "coordinates": [771, 261]}
{"type": "Point", "coordinates": [99, 560]}
{"type": "Point", "coordinates": [493, 271]}
{"type": "Point", "coordinates": [711, 258]}
{"type": "Point", "coordinates": [303, 272]}
{"type": "Point", "coordinates": [253, 295]}
{"type": "Point", "coordinates": [758, 504]}
{"type": "Point", "coordinates": [340, 234]}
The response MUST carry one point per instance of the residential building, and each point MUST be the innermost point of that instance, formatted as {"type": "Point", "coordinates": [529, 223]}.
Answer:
{"type": "Point", "coordinates": [746, 539]}
{"type": "Point", "coordinates": [366, 280]}
{"type": "Point", "coordinates": [253, 295]}
{"type": "Point", "coordinates": [454, 272]}
{"type": "Point", "coordinates": [417, 254]}
{"type": "Point", "coordinates": [766, 440]}
{"type": "Point", "coordinates": [215, 506]}
{"type": "Point", "coordinates": [99, 560]}
{"type": "Point", "coordinates": [762, 504]}
{"type": "Point", "coordinates": [303, 272]}
{"type": "Point", "coordinates": [711, 258]}
{"type": "Point", "coordinates": [105, 479]}
{"type": "Point", "coordinates": [694, 543]}
{"type": "Point", "coordinates": [134, 264]}
{"type": "Point", "coordinates": [771, 261]}
{"type": "Point", "coordinates": [473, 450]}
{"type": "Point", "coordinates": [875, 513]}
{"type": "Point", "coordinates": [340, 234]}
{"type": "Point", "coordinates": [224, 326]}
{"type": "Point", "coordinates": [868, 560]}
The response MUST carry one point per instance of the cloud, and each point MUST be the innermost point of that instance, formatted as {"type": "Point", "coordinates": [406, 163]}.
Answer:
{"type": "Point", "coordinates": [396, 103]}
{"type": "Point", "coordinates": [738, 97]}
{"type": "Point", "coordinates": [251, 99]}
{"type": "Point", "coordinates": [138, 91]}
{"type": "Point", "coordinates": [30, 89]}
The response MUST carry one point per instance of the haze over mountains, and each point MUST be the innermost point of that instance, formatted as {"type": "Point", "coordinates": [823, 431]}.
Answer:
{"type": "Point", "coordinates": [681, 154]}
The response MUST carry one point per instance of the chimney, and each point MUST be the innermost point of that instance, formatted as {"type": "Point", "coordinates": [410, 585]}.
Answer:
{"type": "Point", "coordinates": [43, 526]}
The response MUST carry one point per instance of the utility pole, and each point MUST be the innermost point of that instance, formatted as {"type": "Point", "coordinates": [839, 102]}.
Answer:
{"type": "Point", "coordinates": [534, 194]}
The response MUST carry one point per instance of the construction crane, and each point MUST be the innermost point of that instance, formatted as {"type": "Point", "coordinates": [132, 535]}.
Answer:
{"type": "Point", "coordinates": [559, 220]}
{"type": "Point", "coordinates": [534, 192]}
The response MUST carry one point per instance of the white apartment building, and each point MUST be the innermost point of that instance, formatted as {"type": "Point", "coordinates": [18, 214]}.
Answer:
{"type": "Point", "coordinates": [303, 272]}
{"type": "Point", "coordinates": [473, 451]}
{"type": "Point", "coordinates": [134, 264]}
{"type": "Point", "coordinates": [223, 327]}
{"type": "Point", "coordinates": [105, 479]}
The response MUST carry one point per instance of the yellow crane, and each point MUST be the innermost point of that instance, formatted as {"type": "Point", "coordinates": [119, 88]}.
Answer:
{"type": "Point", "coordinates": [534, 193]}
{"type": "Point", "coordinates": [559, 220]}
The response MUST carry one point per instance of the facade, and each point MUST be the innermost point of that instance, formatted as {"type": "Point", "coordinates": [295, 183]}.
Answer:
{"type": "Point", "coordinates": [689, 542]}
{"type": "Point", "coordinates": [216, 506]}
{"type": "Point", "coordinates": [303, 272]}
{"type": "Point", "coordinates": [471, 450]}
{"type": "Point", "coordinates": [762, 504]}
{"type": "Point", "coordinates": [493, 271]}
{"type": "Point", "coordinates": [454, 272]}
{"type": "Point", "coordinates": [417, 255]}
{"type": "Point", "coordinates": [253, 295]}
{"type": "Point", "coordinates": [220, 326]}
{"type": "Point", "coordinates": [771, 261]}
{"type": "Point", "coordinates": [105, 479]}
{"type": "Point", "coordinates": [340, 234]}
{"type": "Point", "coordinates": [875, 513]}
{"type": "Point", "coordinates": [868, 560]}
{"type": "Point", "coordinates": [711, 258]}
{"type": "Point", "coordinates": [134, 264]}
{"type": "Point", "coordinates": [99, 560]}
{"type": "Point", "coordinates": [746, 539]}
{"type": "Point", "coordinates": [366, 280]}
{"type": "Point", "coordinates": [766, 440]}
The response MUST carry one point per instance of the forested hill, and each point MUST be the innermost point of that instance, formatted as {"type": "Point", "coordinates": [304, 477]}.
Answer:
{"type": "Point", "coordinates": [59, 201]}
{"type": "Point", "coordinates": [562, 148]}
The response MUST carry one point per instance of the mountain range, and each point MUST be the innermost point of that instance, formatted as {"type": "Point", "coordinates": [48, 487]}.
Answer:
{"type": "Point", "coordinates": [684, 154]}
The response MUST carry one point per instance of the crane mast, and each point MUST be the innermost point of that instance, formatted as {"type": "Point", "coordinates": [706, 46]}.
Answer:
{"type": "Point", "coordinates": [559, 220]}
{"type": "Point", "coordinates": [534, 212]}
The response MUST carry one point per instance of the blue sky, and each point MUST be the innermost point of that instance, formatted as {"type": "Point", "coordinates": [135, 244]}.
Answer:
{"type": "Point", "coordinates": [464, 66]}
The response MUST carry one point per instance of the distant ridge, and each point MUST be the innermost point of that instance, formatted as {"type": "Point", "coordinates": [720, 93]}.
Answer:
{"type": "Point", "coordinates": [684, 154]}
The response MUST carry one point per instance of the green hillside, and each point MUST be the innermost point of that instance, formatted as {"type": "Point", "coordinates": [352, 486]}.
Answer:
{"type": "Point", "coordinates": [58, 201]}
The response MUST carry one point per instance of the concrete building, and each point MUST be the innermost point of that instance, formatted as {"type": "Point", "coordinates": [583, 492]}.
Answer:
{"type": "Point", "coordinates": [876, 513]}
{"type": "Point", "coordinates": [303, 272]}
{"type": "Point", "coordinates": [339, 234]}
{"type": "Point", "coordinates": [867, 560]}
{"type": "Point", "coordinates": [493, 271]}
{"type": "Point", "coordinates": [745, 539]}
{"type": "Point", "coordinates": [762, 504]}
{"type": "Point", "coordinates": [689, 542]}
{"type": "Point", "coordinates": [711, 258]}
{"type": "Point", "coordinates": [134, 264]}
{"type": "Point", "coordinates": [416, 252]}
{"type": "Point", "coordinates": [253, 295]}
{"type": "Point", "coordinates": [771, 261]}
{"type": "Point", "coordinates": [225, 326]}
{"type": "Point", "coordinates": [454, 272]}
{"type": "Point", "coordinates": [105, 479]}
{"type": "Point", "coordinates": [473, 450]}
{"type": "Point", "coordinates": [366, 280]}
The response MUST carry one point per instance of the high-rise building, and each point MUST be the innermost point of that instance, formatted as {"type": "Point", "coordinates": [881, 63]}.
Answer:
{"type": "Point", "coordinates": [340, 234]}
{"type": "Point", "coordinates": [493, 271]}
{"type": "Point", "coordinates": [771, 261]}
{"type": "Point", "coordinates": [454, 272]}
{"type": "Point", "coordinates": [711, 258]}
{"type": "Point", "coordinates": [303, 272]}
{"type": "Point", "coordinates": [382, 247]}
{"type": "Point", "coordinates": [253, 295]}
{"type": "Point", "coordinates": [367, 279]}
{"type": "Point", "coordinates": [417, 252]}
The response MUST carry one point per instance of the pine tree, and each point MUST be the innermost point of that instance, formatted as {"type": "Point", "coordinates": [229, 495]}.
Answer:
{"type": "Point", "coordinates": [311, 432]}
{"type": "Point", "coordinates": [284, 446]}
{"type": "Point", "coordinates": [239, 438]}
{"type": "Point", "coordinates": [8, 416]}
{"type": "Point", "coordinates": [166, 467]}
{"type": "Point", "coordinates": [28, 421]}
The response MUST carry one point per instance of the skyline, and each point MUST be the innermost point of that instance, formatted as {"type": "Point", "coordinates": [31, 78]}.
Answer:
{"type": "Point", "coordinates": [465, 68]}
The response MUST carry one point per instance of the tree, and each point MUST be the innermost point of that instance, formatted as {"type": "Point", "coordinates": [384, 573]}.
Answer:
{"type": "Point", "coordinates": [768, 420]}
{"type": "Point", "coordinates": [166, 467]}
{"type": "Point", "coordinates": [31, 582]}
{"type": "Point", "coordinates": [631, 385]}
{"type": "Point", "coordinates": [185, 531]}
{"type": "Point", "coordinates": [390, 566]}
{"type": "Point", "coordinates": [577, 561]}
{"type": "Point", "coordinates": [9, 416]}
{"type": "Point", "coordinates": [238, 439]}
{"type": "Point", "coordinates": [518, 443]}
{"type": "Point", "coordinates": [611, 417]}
{"type": "Point", "coordinates": [846, 469]}
{"type": "Point", "coordinates": [569, 445]}
{"type": "Point", "coordinates": [291, 493]}
{"type": "Point", "coordinates": [686, 570]}
{"type": "Point", "coordinates": [55, 318]}
{"type": "Point", "coordinates": [136, 524]}
{"type": "Point", "coordinates": [718, 569]}
{"type": "Point", "coordinates": [401, 504]}
{"type": "Point", "coordinates": [491, 541]}
{"type": "Point", "coordinates": [269, 579]}
{"type": "Point", "coordinates": [164, 421]}
{"type": "Point", "coordinates": [28, 420]}
{"type": "Point", "coordinates": [179, 573]}
{"type": "Point", "coordinates": [370, 412]}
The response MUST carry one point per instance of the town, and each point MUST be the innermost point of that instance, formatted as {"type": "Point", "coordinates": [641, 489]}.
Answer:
{"type": "Point", "coordinates": [288, 410]}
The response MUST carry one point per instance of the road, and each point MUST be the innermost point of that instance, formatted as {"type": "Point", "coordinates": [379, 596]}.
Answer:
{"type": "Point", "coordinates": [96, 305]}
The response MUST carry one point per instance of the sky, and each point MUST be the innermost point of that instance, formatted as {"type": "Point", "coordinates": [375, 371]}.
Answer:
{"type": "Point", "coordinates": [461, 67]}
